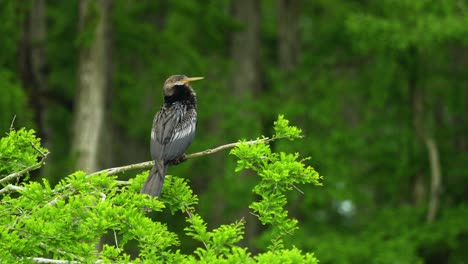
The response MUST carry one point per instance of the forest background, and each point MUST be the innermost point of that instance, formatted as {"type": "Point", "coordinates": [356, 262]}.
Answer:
{"type": "Point", "coordinates": [379, 88]}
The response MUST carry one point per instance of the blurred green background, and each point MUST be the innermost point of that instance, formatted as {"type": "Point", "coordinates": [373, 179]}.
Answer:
{"type": "Point", "coordinates": [380, 89]}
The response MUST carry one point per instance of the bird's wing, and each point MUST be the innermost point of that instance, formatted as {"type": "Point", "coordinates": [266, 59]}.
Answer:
{"type": "Point", "coordinates": [173, 131]}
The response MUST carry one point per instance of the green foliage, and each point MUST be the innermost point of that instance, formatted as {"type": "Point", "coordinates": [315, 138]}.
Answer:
{"type": "Point", "coordinates": [219, 244]}
{"type": "Point", "coordinates": [179, 196]}
{"type": "Point", "coordinates": [351, 95]}
{"type": "Point", "coordinates": [279, 172]}
{"type": "Point", "coordinates": [283, 129]}
{"type": "Point", "coordinates": [402, 238]}
{"type": "Point", "coordinates": [401, 24]}
{"type": "Point", "coordinates": [9, 10]}
{"type": "Point", "coordinates": [67, 221]}
{"type": "Point", "coordinates": [13, 100]}
{"type": "Point", "coordinates": [287, 256]}
{"type": "Point", "coordinates": [17, 150]}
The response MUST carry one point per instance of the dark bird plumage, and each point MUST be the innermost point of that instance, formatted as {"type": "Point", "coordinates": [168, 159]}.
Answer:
{"type": "Point", "coordinates": [173, 129]}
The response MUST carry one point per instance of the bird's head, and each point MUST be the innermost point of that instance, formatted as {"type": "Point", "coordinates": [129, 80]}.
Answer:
{"type": "Point", "coordinates": [175, 82]}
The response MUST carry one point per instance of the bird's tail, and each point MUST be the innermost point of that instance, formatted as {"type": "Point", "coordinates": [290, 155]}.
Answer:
{"type": "Point", "coordinates": [155, 180]}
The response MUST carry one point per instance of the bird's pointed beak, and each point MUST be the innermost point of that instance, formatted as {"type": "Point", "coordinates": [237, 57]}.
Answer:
{"type": "Point", "coordinates": [191, 79]}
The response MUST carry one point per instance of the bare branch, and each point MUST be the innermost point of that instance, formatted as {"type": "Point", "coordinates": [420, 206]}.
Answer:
{"type": "Point", "coordinates": [227, 146]}
{"type": "Point", "coordinates": [436, 178]}
{"type": "Point", "coordinates": [117, 170]}
{"type": "Point", "coordinates": [254, 214]}
{"type": "Point", "coordinates": [63, 252]}
{"type": "Point", "coordinates": [21, 172]}
{"type": "Point", "coordinates": [38, 150]}
{"type": "Point", "coordinates": [295, 187]}
{"type": "Point", "coordinates": [28, 169]}
{"type": "Point", "coordinates": [149, 164]}
{"type": "Point", "coordinates": [10, 188]}
{"type": "Point", "coordinates": [123, 182]}
{"type": "Point", "coordinates": [12, 123]}
{"type": "Point", "coordinates": [116, 241]}
{"type": "Point", "coordinates": [46, 260]}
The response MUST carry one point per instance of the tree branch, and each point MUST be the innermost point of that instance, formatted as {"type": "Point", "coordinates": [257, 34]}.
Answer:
{"type": "Point", "coordinates": [436, 178]}
{"type": "Point", "coordinates": [149, 164]}
{"type": "Point", "coordinates": [46, 260]}
{"type": "Point", "coordinates": [10, 188]}
{"type": "Point", "coordinates": [117, 170]}
{"type": "Point", "coordinates": [28, 169]}
{"type": "Point", "coordinates": [12, 123]}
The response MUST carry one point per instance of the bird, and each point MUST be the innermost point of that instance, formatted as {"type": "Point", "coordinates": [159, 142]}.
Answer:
{"type": "Point", "coordinates": [172, 131]}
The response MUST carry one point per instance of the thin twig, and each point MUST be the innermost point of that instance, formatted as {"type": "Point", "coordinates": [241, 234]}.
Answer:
{"type": "Point", "coordinates": [38, 150]}
{"type": "Point", "coordinates": [149, 164]}
{"type": "Point", "coordinates": [254, 214]}
{"type": "Point", "coordinates": [295, 187]}
{"type": "Point", "coordinates": [123, 182]}
{"type": "Point", "coordinates": [188, 213]}
{"type": "Point", "coordinates": [12, 123]}
{"type": "Point", "coordinates": [116, 241]}
{"type": "Point", "coordinates": [103, 196]}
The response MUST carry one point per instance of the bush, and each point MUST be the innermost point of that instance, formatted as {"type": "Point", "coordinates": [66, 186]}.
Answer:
{"type": "Point", "coordinates": [41, 223]}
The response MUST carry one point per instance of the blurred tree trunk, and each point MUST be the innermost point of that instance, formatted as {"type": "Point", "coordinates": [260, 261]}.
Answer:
{"type": "Point", "coordinates": [419, 116]}
{"type": "Point", "coordinates": [288, 38]}
{"type": "Point", "coordinates": [92, 83]}
{"type": "Point", "coordinates": [107, 148]}
{"type": "Point", "coordinates": [125, 148]}
{"type": "Point", "coordinates": [33, 64]}
{"type": "Point", "coordinates": [419, 186]}
{"type": "Point", "coordinates": [246, 81]}
{"type": "Point", "coordinates": [245, 49]}
{"type": "Point", "coordinates": [288, 54]}
{"type": "Point", "coordinates": [460, 65]}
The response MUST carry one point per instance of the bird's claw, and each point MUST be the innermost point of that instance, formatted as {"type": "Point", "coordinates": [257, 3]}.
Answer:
{"type": "Point", "coordinates": [178, 160]}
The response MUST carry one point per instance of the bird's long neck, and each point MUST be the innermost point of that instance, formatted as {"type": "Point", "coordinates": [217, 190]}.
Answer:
{"type": "Point", "coordinates": [184, 95]}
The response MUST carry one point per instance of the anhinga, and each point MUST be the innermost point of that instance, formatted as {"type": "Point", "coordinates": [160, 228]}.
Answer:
{"type": "Point", "coordinates": [173, 129]}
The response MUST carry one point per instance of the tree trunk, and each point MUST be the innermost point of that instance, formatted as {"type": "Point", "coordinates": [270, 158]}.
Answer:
{"type": "Point", "coordinates": [32, 63]}
{"type": "Point", "coordinates": [419, 186]}
{"type": "Point", "coordinates": [245, 49]}
{"type": "Point", "coordinates": [288, 37]}
{"type": "Point", "coordinates": [92, 84]}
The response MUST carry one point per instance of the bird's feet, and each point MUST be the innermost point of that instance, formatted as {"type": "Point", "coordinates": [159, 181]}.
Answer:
{"type": "Point", "coordinates": [178, 160]}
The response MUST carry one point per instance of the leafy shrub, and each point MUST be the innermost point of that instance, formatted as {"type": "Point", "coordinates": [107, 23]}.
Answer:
{"type": "Point", "coordinates": [66, 222]}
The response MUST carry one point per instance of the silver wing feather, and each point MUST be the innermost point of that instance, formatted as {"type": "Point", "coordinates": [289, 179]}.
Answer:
{"type": "Point", "coordinates": [172, 132]}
